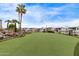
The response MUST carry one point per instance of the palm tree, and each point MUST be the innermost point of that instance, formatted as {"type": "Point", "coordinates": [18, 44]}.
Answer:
{"type": "Point", "coordinates": [11, 27]}
{"type": "Point", "coordinates": [21, 10]}
{"type": "Point", "coordinates": [8, 21]}
{"type": "Point", "coordinates": [14, 21]}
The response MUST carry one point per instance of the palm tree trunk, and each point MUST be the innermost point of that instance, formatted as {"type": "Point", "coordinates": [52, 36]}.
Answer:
{"type": "Point", "coordinates": [15, 27]}
{"type": "Point", "coordinates": [20, 21]}
{"type": "Point", "coordinates": [7, 25]}
{"type": "Point", "coordinates": [19, 15]}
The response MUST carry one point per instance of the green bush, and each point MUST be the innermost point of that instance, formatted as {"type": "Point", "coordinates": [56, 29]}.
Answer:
{"type": "Point", "coordinates": [50, 31]}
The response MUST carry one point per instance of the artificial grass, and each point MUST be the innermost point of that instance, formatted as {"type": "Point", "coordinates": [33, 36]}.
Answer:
{"type": "Point", "coordinates": [40, 44]}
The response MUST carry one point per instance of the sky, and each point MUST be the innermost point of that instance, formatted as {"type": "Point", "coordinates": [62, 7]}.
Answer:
{"type": "Point", "coordinates": [43, 14]}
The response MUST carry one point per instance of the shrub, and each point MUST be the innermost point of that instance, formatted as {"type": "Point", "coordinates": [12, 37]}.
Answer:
{"type": "Point", "coordinates": [28, 32]}
{"type": "Point", "coordinates": [44, 31]}
{"type": "Point", "coordinates": [50, 31]}
{"type": "Point", "coordinates": [75, 35]}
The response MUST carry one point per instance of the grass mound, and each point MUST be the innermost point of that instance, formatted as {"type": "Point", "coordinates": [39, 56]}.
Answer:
{"type": "Point", "coordinates": [41, 44]}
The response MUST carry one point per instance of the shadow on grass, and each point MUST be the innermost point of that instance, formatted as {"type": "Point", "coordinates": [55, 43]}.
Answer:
{"type": "Point", "coordinates": [76, 50]}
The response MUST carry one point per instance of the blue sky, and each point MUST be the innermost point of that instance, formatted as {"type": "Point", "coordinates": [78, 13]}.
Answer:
{"type": "Point", "coordinates": [42, 14]}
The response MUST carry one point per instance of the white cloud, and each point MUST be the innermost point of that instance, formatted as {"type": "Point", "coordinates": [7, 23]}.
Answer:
{"type": "Point", "coordinates": [73, 23]}
{"type": "Point", "coordinates": [39, 15]}
{"type": "Point", "coordinates": [55, 24]}
{"type": "Point", "coordinates": [34, 12]}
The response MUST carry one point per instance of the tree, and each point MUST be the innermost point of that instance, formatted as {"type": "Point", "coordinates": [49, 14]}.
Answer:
{"type": "Point", "coordinates": [21, 10]}
{"type": "Point", "coordinates": [11, 27]}
{"type": "Point", "coordinates": [8, 21]}
{"type": "Point", "coordinates": [14, 21]}
{"type": "Point", "coordinates": [12, 24]}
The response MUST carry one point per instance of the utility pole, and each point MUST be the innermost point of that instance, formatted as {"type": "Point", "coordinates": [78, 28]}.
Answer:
{"type": "Point", "coordinates": [0, 24]}
{"type": "Point", "coordinates": [46, 28]}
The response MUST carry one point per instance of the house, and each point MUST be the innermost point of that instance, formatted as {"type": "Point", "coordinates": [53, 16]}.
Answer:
{"type": "Point", "coordinates": [50, 29]}
{"type": "Point", "coordinates": [64, 30]}
{"type": "Point", "coordinates": [41, 29]}
{"type": "Point", "coordinates": [27, 30]}
{"type": "Point", "coordinates": [33, 29]}
{"type": "Point", "coordinates": [47, 29]}
{"type": "Point", "coordinates": [57, 29]}
{"type": "Point", "coordinates": [69, 30]}
{"type": "Point", "coordinates": [74, 30]}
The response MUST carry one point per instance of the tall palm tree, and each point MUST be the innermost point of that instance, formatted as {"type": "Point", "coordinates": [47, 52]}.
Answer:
{"type": "Point", "coordinates": [14, 21]}
{"type": "Point", "coordinates": [21, 10]}
{"type": "Point", "coordinates": [8, 21]}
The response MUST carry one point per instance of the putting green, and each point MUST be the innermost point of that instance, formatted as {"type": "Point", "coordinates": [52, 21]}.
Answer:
{"type": "Point", "coordinates": [41, 44]}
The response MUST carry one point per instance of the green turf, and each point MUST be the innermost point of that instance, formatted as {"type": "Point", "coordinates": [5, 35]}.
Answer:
{"type": "Point", "coordinates": [40, 44]}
